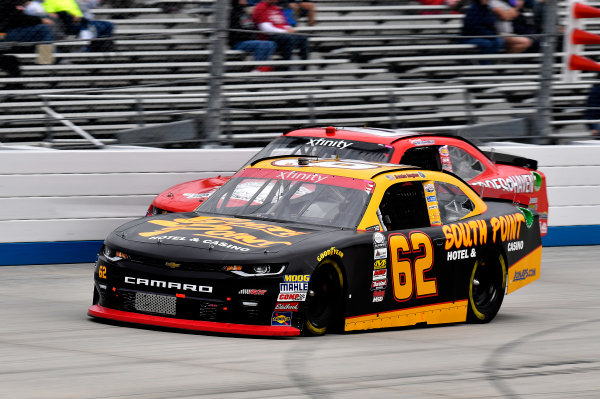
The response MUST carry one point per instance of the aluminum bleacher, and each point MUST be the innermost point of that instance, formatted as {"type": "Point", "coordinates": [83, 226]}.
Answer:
{"type": "Point", "coordinates": [372, 62]}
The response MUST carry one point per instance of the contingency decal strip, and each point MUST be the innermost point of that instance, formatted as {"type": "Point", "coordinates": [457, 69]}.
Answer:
{"type": "Point", "coordinates": [449, 312]}
{"type": "Point", "coordinates": [525, 270]}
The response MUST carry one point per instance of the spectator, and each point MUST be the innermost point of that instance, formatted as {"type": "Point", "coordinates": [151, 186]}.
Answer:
{"type": "Point", "coordinates": [592, 111]}
{"type": "Point", "coordinates": [489, 24]}
{"type": "Point", "coordinates": [76, 23]}
{"type": "Point", "coordinates": [12, 67]}
{"type": "Point", "coordinates": [37, 9]}
{"type": "Point", "coordinates": [246, 41]}
{"type": "Point", "coordinates": [269, 18]}
{"type": "Point", "coordinates": [454, 5]}
{"type": "Point", "coordinates": [20, 27]}
{"type": "Point", "coordinates": [300, 9]}
{"type": "Point", "coordinates": [479, 24]}
{"type": "Point", "coordinates": [507, 11]}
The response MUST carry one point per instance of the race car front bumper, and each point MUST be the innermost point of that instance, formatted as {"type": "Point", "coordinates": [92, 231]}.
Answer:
{"type": "Point", "coordinates": [209, 326]}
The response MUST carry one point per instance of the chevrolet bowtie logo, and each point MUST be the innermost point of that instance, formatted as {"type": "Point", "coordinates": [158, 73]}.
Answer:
{"type": "Point", "coordinates": [172, 265]}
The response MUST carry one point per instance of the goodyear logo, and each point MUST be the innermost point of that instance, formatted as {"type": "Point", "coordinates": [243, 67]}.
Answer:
{"type": "Point", "coordinates": [329, 252]}
{"type": "Point", "coordinates": [224, 229]}
{"type": "Point", "coordinates": [281, 319]}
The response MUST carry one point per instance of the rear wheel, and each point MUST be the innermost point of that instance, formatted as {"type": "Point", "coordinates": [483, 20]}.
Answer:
{"type": "Point", "coordinates": [487, 284]}
{"type": "Point", "coordinates": [324, 302]}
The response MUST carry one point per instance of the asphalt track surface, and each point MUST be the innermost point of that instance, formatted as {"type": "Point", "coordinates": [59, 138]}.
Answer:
{"type": "Point", "coordinates": [545, 343]}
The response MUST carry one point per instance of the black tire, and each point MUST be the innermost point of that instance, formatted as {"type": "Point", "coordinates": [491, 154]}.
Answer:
{"type": "Point", "coordinates": [322, 310]}
{"type": "Point", "coordinates": [487, 284]}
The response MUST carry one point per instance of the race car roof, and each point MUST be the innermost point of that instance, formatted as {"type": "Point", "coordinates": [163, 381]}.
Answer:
{"type": "Point", "coordinates": [343, 167]}
{"type": "Point", "coordinates": [372, 135]}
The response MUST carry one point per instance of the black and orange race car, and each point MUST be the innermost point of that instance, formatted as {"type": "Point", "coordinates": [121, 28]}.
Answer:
{"type": "Point", "coordinates": [292, 246]}
{"type": "Point", "coordinates": [492, 175]}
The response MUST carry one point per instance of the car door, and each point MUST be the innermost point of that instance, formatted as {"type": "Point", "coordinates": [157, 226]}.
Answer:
{"type": "Point", "coordinates": [414, 275]}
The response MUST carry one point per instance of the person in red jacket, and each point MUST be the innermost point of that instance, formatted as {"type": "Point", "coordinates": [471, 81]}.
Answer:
{"type": "Point", "coordinates": [453, 5]}
{"type": "Point", "coordinates": [270, 19]}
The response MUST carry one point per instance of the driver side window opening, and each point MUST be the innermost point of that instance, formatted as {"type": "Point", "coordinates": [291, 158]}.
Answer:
{"type": "Point", "coordinates": [426, 157]}
{"type": "Point", "coordinates": [464, 164]}
{"type": "Point", "coordinates": [453, 203]}
{"type": "Point", "coordinates": [403, 206]}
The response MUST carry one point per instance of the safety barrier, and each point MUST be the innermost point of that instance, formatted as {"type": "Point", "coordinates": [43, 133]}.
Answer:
{"type": "Point", "coordinates": [58, 206]}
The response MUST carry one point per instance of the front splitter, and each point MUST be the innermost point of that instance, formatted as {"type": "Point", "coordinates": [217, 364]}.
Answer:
{"type": "Point", "coordinates": [209, 326]}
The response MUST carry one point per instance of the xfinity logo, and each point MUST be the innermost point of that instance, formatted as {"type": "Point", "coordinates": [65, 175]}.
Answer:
{"type": "Point", "coordinates": [293, 175]}
{"type": "Point", "coordinates": [329, 143]}
{"type": "Point", "coordinates": [168, 284]}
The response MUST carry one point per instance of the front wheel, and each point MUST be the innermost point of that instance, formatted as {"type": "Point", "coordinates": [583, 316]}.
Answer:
{"type": "Point", "coordinates": [487, 284]}
{"type": "Point", "coordinates": [324, 302]}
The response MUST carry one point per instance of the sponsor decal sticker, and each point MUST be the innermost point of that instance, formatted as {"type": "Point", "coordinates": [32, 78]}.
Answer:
{"type": "Point", "coordinates": [310, 177]}
{"type": "Point", "coordinates": [519, 183]}
{"type": "Point", "coordinates": [431, 198]}
{"type": "Point", "coordinates": [378, 295]}
{"type": "Point", "coordinates": [294, 278]}
{"type": "Point", "coordinates": [329, 252]}
{"type": "Point", "coordinates": [281, 319]}
{"type": "Point", "coordinates": [418, 142]}
{"type": "Point", "coordinates": [379, 285]}
{"type": "Point", "coordinates": [380, 253]}
{"type": "Point", "coordinates": [291, 297]}
{"type": "Point", "coordinates": [515, 246]}
{"type": "Point", "coordinates": [405, 176]}
{"type": "Point", "coordinates": [523, 274]}
{"type": "Point", "coordinates": [288, 306]}
{"type": "Point", "coordinates": [379, 274]}
{"type": "Point", "coordinates": [221, 228]}
{"type": "Point", "coordinates": [251, 291]}
{"type": "Point", "coordinates": [354, 165]}
{"type": "Point", "coordinates": [293, 287]}
{"type": "Point", "coordinates": [475, 232]}
{"type": "Point", "coordinates": [380, 264]}
{"type": "Point", "coordinates": [429, 188]}
{"type": "Point", "coordinates": [379, 238]}
{"type": "Point", "coordinates": [329, 143]}
{"type": "Point", "coordinates": [198, 195]}
{"type": "Point", "coordinates": [461, 254]}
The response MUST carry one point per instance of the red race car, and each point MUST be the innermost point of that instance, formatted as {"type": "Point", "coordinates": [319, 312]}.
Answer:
{"type": "Point", "coordinates": [492, 175]}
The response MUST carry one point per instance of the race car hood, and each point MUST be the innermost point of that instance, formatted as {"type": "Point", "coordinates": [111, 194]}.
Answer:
{"type": "Point", "coordinates": [194, 236]}
{"type": "Point", "coordinates": [185, 197]}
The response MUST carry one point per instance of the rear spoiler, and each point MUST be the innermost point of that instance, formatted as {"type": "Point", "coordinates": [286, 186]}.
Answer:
{"type": "Point", "coordinates": [514, 160]}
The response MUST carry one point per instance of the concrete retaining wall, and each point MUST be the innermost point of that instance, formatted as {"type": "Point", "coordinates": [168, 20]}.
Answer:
{"type": "Point", "coordinates": [57, 206]}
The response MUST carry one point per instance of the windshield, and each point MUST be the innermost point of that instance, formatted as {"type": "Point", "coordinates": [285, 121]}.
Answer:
{"type": "Point", "coordinates": [291, 196]}
{"type": "Point", "coordinates": [327, 148]}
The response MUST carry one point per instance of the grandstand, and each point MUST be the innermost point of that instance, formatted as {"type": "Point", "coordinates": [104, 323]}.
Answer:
{"type": "Point", "coordinates": [376, 63]}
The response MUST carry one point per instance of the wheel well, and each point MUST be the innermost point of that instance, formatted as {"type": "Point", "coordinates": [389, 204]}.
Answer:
{"type": "Point", "coordinates": [336, 261]}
